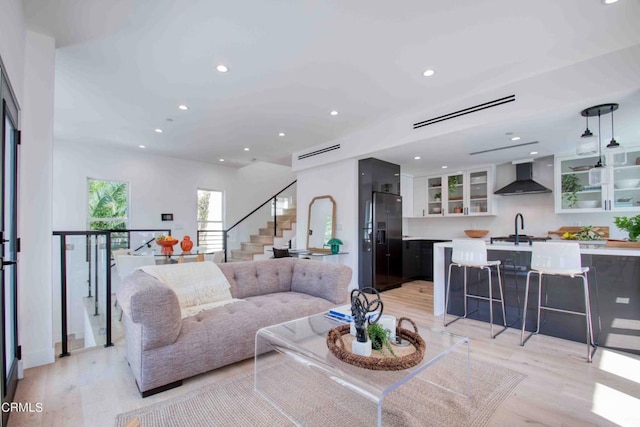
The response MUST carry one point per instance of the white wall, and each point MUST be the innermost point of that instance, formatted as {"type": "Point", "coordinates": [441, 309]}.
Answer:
{"type": "Point", "coordinates": [157, 185]}
{"type": "Point", "coordinates": [12, 44]}
{"type": "Point", "coordinates": [537, 209]}
{"type": "Point", "coordinates": [340, 181]}
{"type": "Point", "coordinates": [34, 222]}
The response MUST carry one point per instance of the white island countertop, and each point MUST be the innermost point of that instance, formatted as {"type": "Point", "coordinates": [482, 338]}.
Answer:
{"type": "Point", "coordinates": [595, 248]}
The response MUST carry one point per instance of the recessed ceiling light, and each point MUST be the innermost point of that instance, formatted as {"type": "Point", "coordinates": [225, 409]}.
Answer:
{"type": "Point", "coordinates": [428, 73]}
{"type": "Point", "coordinates": [416, 158]}
{"type": "Point", "coordinates": [158, 130]}
{"type": "Point", "coordinates": [281, 134]}
{"type": "Point", "coordinates": [444, 166]}
{"type": "Point", "coordinates": [246, 148]}
{"type": "Point", "coordinates": [515, 138]}
{"type": "Point", "coordinates": [533, 152]}
{"type": "Point", "coordinates": [222, 68]}
{"type": "Point", "coordinates": [221, 160]}
{"type": "Point", "coordinates": [142, 146]}
{"type": "Point", "coordinates": [609, 1]}
{"type": "Point", "coordinates": [334, 113]}
{"type": "Point", "coordinates": [183, 107]}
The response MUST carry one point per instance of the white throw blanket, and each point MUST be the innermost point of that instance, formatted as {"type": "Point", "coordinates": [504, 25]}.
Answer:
{"type": "Point", "coordinates": [198, 285]}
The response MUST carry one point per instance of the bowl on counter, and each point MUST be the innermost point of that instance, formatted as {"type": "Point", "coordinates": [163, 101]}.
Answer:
{"type": "Point", "coordinates": [588, 204]}
{"type": "Point", "coordinates": [627, 183]}
{"type": "Point", "coordinates": [436, 209]}
{"type": "Point", "coordinates": [476, 234]}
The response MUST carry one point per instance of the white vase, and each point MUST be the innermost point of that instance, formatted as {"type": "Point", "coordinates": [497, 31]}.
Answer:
{"type": "Point", "coordinates": [361, 348]}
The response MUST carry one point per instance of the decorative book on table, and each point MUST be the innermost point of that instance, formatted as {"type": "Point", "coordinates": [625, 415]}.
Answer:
{"type": "Point", "coordinates": [343, 313]}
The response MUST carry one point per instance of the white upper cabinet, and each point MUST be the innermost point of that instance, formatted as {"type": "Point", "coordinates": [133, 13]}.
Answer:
{"type": "Point", "coordinates": [464, 193]}
{"type": "Point", "coordinates": [619, 191]}
{"type": "Point", "coordinates": [419, 193]}
{"type": "Point", "coordinates": [406, 191]}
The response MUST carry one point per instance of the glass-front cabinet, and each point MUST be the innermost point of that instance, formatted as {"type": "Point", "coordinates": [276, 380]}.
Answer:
{"type": "Point", "coordinates": [463, 193]}
{"type": "Point", "coordinates": [619, 189]}
{"type": "Point", "coordinates": [434, 196]}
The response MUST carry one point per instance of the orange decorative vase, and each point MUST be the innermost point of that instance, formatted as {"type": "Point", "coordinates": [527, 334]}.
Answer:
{"type": "Point", "coordinates": [186, 244]}
{"type": "Point", "coordinates": [167, 246]}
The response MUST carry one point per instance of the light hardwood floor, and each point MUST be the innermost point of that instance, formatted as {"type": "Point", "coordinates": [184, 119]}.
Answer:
{"type": "Point", "coordinates": [90, 388]}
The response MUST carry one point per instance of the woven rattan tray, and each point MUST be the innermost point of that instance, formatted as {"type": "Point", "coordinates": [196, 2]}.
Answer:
{"type": "Point", "coordinates": [339, 342]}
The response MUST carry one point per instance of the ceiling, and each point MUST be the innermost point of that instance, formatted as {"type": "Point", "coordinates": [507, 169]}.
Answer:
{"type": "Point", "coordinates": [124, 66]}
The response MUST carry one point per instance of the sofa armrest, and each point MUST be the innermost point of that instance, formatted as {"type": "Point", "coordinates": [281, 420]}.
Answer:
{"type": "Point", "coordinates": [320, 279]}
{"type": "Point", "coordinates": [153, 305]}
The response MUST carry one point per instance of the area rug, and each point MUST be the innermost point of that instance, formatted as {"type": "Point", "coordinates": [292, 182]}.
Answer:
{"type": "Point", "coordinates": [319, 401]}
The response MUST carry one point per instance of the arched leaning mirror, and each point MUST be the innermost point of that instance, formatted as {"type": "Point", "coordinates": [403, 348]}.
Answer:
{"type": "Point", "coordinates": [322, 223]}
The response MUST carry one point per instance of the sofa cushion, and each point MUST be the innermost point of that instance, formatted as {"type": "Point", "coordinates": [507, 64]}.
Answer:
{"type": "Point", "coordinates": [252, 278]}
{"type": "Point", "coordinates": [319, 279]}
{"type": "Point", "coordinates": [194, 283]}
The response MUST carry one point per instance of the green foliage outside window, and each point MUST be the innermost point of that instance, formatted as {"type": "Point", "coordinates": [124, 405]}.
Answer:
{"type": "Point", "coordinates": [108, 205]}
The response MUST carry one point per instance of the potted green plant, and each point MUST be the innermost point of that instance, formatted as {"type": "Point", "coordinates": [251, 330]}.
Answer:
{"type": "Point", "coordinates": [437, 197]}
{"type": "Point", "coordinates": [630, 225]}
{"type": "Point", "coordinates": [454, 180]}
{"type": "Point", "coordinates": [380, 338]}
{"type": "Point", "coordinates": [570, 186]}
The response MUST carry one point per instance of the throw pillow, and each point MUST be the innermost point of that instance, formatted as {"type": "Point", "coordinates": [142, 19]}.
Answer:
{"type": "Point", "coordinates": [280, 253]}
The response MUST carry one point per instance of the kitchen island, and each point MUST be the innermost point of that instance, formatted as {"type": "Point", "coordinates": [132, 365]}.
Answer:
{"type": "Point", "coordinates": [614, 283]}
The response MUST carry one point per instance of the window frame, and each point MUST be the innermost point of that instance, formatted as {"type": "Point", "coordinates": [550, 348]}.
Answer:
{"type": "Point", "coordinates": [223, 213]}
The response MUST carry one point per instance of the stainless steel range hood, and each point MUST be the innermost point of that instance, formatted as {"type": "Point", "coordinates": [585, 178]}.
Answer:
{"type": "Point", "coordinates": [524, 183]}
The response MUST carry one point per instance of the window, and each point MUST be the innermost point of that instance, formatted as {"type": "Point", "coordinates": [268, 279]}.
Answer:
{"type": "Point", "coordinates": [108, 205]}
{"type": "Point", "coordinates": [210, 223]}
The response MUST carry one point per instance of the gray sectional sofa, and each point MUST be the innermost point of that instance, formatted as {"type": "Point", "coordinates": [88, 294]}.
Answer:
{"type": "Point", "coordinates": [163, 348]}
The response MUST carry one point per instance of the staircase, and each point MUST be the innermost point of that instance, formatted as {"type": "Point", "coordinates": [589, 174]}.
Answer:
{"type": "Point", "coordinates": [259, 245]}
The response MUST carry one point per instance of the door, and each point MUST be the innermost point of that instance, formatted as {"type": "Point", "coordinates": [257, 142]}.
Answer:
{"type": "Point", "coordinates": [380, 244]}
{"type": "Point", "coordinates": [394, 238]}
{"type": "Point", "coordinates": [8, 253]}
{"type": "Point", "coordinates": [387, 220]}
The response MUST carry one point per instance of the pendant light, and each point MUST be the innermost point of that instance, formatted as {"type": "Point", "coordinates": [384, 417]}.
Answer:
{"type": "Point", "coordinates": [618, 153]}
{"type": "Point", "coordinates": [599, 174]}
{"type": "Point", "coordinates": [588, 143]}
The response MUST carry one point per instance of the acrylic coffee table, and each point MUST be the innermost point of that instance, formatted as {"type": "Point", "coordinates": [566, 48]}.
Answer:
{"type": "Point", "coordinates": [301, 344]}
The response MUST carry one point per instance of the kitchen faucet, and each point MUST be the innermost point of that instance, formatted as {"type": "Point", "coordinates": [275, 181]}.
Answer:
{"type": "Point", "coordinates": [517, 239]}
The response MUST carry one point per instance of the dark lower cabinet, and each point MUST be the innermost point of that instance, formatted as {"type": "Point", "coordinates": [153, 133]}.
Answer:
{"type": "Point", "coordinates": [411, 259]}
{"type": "Point", "coordinates": [417, 259]}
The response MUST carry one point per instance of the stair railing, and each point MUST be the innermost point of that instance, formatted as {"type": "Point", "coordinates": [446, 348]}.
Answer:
{"type": "Point", "coordinates": [273, 199]}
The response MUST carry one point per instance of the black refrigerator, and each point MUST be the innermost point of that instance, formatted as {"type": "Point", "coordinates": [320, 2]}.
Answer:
{"type": "Point", "coordinates": [387, 244]}
{"type": "Point", "coordinates": [380, 212]}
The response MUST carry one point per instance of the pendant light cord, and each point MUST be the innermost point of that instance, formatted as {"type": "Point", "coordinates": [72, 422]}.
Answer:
{"type": "Point", "coordinates": [599, 142]}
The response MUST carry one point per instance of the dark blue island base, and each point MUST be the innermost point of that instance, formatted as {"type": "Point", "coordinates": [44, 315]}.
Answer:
{"type": "Point", "coordinates": [614, 286]}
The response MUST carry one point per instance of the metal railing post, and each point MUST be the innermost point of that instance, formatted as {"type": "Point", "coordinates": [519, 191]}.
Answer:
{"type": "Point", "coordinates": [63, 294]}
{"type": "Point", "coordinates": [107, 267]}
{"type": "Point", "coordinates": [95, 275]}
{"type": "Point", "coordinates": [88, 252]}
{"type": "Point", "coordinates": [224, 245]}
{"type": "Point", "coordinates": [275, 217]}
